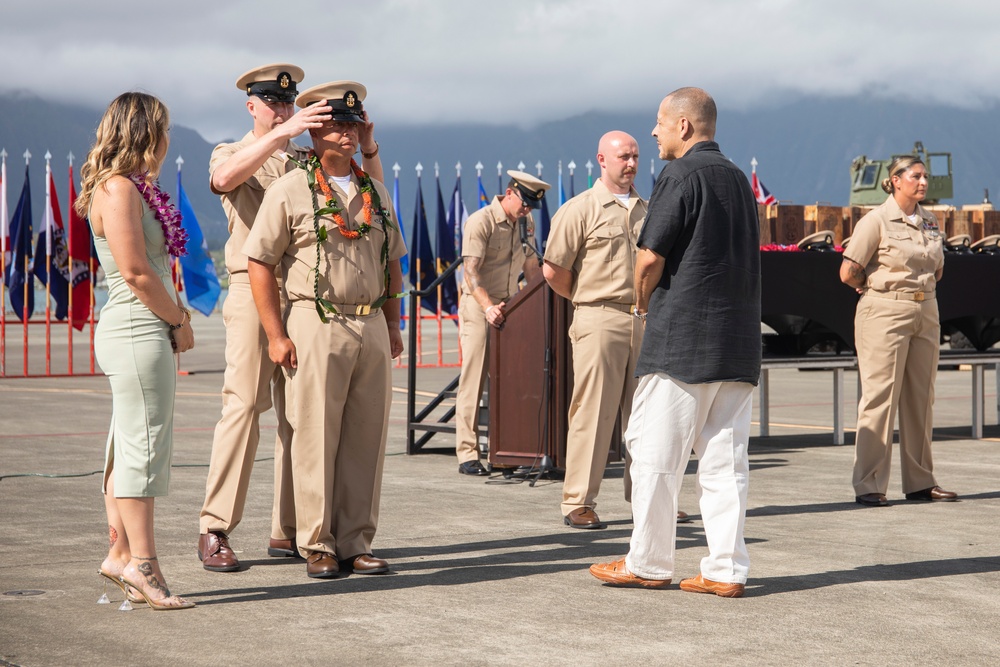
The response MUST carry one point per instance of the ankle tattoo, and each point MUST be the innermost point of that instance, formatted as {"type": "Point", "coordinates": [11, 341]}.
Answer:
{"type": "Point", "coordinates": [146, 570]}
{"type": "Point", "coordinates": [112, 535]}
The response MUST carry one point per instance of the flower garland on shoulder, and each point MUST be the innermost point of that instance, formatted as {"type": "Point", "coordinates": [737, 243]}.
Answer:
{"type": "Point", "coordinates": [318, 184]}
{"type": "Point", "coordinates": [168, 215]}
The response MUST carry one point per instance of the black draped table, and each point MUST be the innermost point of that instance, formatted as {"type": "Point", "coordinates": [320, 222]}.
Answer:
{"type": "Point", "coordinates": [803, 300]}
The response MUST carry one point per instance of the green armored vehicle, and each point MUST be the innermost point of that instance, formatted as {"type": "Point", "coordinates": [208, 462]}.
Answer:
{"type": "Point", "coordinates": [867, 176]}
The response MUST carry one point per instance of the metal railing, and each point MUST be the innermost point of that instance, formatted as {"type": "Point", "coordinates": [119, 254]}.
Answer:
{"type": "Point", "coordinates": [416, 422]}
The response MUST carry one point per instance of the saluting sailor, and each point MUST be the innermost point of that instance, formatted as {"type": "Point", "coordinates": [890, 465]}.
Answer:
{"type": "Point", "coordinates": [329, 229]}
{"type": "Point", "coordinates": [239, 173]}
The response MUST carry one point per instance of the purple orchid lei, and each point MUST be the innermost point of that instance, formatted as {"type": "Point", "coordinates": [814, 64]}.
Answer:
{"type": "Point", "coordinates": [166, 213]}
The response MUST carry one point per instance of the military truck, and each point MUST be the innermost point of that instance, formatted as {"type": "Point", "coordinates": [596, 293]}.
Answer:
{"type": "Point", "coordinates": [867, 176]}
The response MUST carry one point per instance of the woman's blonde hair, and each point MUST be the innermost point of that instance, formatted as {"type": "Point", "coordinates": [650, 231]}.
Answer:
{"type": "Point", "coordinates": [127, 139]}
{"type": "Point", "coordinates": [899, 165]}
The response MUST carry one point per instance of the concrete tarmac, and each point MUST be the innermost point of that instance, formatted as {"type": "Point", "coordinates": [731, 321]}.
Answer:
{"type": "Point", "coordinates": [483, 570]}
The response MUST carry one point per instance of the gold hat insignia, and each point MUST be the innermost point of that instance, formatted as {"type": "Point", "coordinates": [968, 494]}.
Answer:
{"type": "Point", "coordinates": [284, 80]}
{"type": "Point", "coordinates": [349, 100]}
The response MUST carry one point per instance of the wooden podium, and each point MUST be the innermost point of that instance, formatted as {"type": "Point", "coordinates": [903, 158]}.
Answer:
{"type": "Point", "coordinates": [531, 380]}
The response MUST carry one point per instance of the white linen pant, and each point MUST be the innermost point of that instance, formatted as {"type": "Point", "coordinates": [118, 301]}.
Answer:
{"type": "Point", "coordinates": [670, 419]}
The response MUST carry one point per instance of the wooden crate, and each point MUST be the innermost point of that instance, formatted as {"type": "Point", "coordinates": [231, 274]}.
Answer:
{"type": "Point", "coordinates": [765, 224]}
{"type": "Point", "coordinates": [991, 223]}
{"type": "Point", "coordinates": [960, 223]}
{"type": "Point", "coordinates": [824, 218]}
{"type": "Point", "coordinates": [789, 224]}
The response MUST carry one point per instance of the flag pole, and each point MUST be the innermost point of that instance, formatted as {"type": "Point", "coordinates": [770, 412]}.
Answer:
{"type": "Point", "coordinates": [69, 253]}
{"type": "Point", "coordinates": [437, 262]}
{"type": "Point", "coordinates": [24, 304]}
{"type": "Point", "coordinates": [590, 175]}
{"type": "Point", "coordinates": [49, 223]}
{"type": "Point", "coordinates": [405, 269]}
{"type": "Point", "coordinates": [457, 234]}
{"type": "Point", "coordinates": [499, 179]}
{"type": "Point", "coordinates": [91, 273]}
{"type": "Point", "coordinates": [177, 261]}
{"type": "Point", "coordinates": [571, 166]}
{"type": "Point", "coordinates": [177, 278]}
{"type": "Point", "coordinates": [3, 262]}
{"type": "Point", "coordinates": [417, 355]}
{"type": "Point", "coordinates": [559, 196]}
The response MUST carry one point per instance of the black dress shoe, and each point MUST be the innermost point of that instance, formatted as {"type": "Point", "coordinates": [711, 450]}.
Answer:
{"type": "Point", "coordinates": [933, 493]}
{"type": "Point", "coordinates": [472, 468]}
{"type": "Point", "coordinates": [871, 500]}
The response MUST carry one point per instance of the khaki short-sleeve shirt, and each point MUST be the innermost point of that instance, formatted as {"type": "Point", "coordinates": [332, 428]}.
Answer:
{"type": "Point", "coordinates": [898, 255]}
{"type": "Point", "coordinates": [593, 235]}
{"type": "Point", "coordinates": [491, 237]}
{"type": "Point", "coordinates": [242, 202]}
{"type": "Point", "coordinates": [351, 271]}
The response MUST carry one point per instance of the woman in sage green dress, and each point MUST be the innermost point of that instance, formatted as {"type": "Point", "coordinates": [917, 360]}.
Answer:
{"type": "Point", "coordinates": [135, 232]}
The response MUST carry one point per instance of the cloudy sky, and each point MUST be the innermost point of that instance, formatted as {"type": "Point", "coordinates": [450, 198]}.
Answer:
{"type": "Point", "coordinates": [522, 61]}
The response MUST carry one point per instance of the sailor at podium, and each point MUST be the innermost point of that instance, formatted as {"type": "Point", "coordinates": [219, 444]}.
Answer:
{"type": "Point", "coordinates": [493, 256]}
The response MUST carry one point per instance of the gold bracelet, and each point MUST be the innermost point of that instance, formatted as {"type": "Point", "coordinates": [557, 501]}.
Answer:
{"type": "Point", "coordinates": [369, 156]}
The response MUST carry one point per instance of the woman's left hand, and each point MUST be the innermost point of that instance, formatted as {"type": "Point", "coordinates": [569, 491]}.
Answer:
{"type": "Point", "coordinates": [183, 337]}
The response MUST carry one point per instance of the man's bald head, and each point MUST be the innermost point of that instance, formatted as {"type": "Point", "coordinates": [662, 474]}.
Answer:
{"type": "Point", "coordinates": [685, 117]}
{"type": "Point", "coordinates": [697, 106]}
{"type": "Point", "coordinates": [618, 155]}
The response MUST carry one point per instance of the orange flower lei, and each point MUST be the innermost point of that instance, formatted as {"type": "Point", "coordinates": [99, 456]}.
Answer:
{"type": "Point", "coordinates": [335, 211]}
{"type": "Point", "coordinates": [371, 200]}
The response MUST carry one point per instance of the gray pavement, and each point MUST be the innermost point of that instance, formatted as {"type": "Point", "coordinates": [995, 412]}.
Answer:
{"type": "Point", "coordinates": [484, 572]}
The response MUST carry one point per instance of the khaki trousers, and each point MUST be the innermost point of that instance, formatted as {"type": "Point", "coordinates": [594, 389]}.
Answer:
{"type": "Point", "coordinates": [606, 342]}
{"type": "Point", "coordinates": [246, 393]}
{"type": "Point", "coordinates": [337, 403]}
{"type": "Point", "coordinates": [473, 335]}
{"type": "Point", "coordinates": [898, 347]}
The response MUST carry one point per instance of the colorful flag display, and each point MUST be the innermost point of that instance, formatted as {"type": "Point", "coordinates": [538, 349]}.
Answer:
{"type": "Point", "coordinates": [51, 254]}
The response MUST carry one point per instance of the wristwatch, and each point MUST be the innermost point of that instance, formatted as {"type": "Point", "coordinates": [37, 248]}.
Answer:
{"type": "Point", "coordinates": [637, 314]}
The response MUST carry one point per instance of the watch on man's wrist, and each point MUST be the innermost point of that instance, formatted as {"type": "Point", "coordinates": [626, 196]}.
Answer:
{"type": "Point", "coordinates": [637, 314]}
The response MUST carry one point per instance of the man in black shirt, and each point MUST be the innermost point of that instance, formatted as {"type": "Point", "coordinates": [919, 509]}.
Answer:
{"type": "Point", "coordinates": [698, 273]}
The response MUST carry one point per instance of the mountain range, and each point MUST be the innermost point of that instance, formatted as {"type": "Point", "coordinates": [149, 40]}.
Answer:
{"type": "Point", "coordinates": [804, 147]}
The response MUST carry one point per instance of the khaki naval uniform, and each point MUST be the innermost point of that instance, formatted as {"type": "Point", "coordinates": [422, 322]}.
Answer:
{"type": "Point", "coordinates": [246, 388]}
{"type": "Point", "coordinates": [897, 336]}
{"type": "Point", "coordinates": [337, 400]}
{"type": "Point", "coordinates": [593, 235]}
{"type": "Point", "coordinates": [496, 241]}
